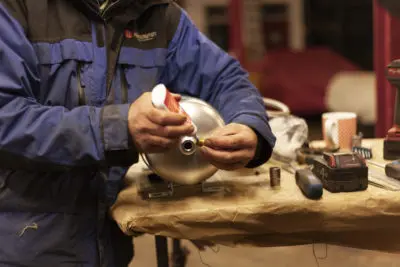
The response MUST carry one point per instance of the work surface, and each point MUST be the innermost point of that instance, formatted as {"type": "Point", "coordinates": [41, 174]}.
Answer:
{"type": "Point", "coordinates": [251, 212]}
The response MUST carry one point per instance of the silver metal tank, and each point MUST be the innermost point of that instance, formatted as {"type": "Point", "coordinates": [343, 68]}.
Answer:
{"type": "Point", "coordinates": [184, 164]}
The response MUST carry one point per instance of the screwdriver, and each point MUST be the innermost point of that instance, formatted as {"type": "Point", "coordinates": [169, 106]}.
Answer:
{"type": "Point", "coordinates": [308, 183]}
{"type": "Point", "coordinates": [392, 169]}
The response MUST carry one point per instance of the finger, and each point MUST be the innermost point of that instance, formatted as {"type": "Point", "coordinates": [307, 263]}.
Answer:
{"type": "Point", "coordinates": [155, 144]}
{"type": "Point", "coordinates": [230, 129]}
{"type": "Point", "coordinates": [171, 131]}
{"type": "Point", "coordinates": [164, 118]}
{"type": "Point", "coordinates": [226, 157]}
{"type": "Point", "coordinates": [224, 131]}
{"type": "Point", "coordinates": [229, 142]}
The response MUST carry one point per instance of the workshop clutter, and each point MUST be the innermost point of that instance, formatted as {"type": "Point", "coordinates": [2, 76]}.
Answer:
{"type": "Point", "coordinates": [340, 163]}
{"type": "Point", "coordinates": [250, 212]}
{"type": "Point", "coordinates": [336, 172]}
{"type": "Point", "coordinates": [391, 149]}
{"type": "Point", "coordinates": [258, 206]}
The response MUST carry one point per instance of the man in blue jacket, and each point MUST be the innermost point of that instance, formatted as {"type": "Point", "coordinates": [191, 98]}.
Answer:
{"type": "Point", "coordinates": [75, 110]}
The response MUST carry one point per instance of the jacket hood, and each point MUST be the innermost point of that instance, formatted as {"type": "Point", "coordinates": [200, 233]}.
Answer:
{"type": "Point", "coordinates": [109, 9]}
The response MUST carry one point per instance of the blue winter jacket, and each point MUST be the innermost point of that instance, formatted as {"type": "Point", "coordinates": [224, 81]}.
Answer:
{"type": "Point", "coordinates": [68, 74]}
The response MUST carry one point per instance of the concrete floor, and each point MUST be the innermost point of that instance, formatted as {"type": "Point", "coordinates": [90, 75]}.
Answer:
{"type": "Point", "coordinates": [301, 256]}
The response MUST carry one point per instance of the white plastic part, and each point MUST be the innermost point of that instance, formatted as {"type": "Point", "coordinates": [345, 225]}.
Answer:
{"type": "Point", "coordinates": [158, 96]}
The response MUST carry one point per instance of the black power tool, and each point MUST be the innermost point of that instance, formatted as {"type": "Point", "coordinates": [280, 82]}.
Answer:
{"type": "Point", "coordinates": [391, 147]}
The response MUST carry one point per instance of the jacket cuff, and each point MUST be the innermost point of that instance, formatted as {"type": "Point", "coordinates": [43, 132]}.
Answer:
{"type": "Point", "coordinates": [118, 145]}
{"type": "Point", "coordinates": [263, 152]}
{"type": "Point", "coordinates": [266, 139]}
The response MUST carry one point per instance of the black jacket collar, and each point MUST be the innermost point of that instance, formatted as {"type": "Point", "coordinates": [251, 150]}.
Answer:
{"type": "Point", "coordinates": [120, 10]}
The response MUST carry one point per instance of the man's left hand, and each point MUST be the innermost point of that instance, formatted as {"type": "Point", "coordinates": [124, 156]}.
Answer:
{"type": "Point", "coordinates": [230, 147]}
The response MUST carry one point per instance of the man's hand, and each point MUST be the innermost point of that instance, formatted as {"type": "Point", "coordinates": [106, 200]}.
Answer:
{"type": "Point", "coordinates": [154, 130]}
{"type": "Point", "coordinates": [231, 147]}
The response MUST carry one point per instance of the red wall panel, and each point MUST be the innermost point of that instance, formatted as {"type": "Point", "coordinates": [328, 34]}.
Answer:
{"type": "Point", "coordinates": [236, 46]}
{"type": "Point", "coordinates": [395, 38]}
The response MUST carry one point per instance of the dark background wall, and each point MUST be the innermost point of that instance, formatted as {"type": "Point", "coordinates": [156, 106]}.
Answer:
{"type": "Point", "coordinates": [344, 25]}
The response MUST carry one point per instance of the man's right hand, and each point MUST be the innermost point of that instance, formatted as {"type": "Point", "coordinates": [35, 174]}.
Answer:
{"type": "Point", "coordinates": [154, 130]}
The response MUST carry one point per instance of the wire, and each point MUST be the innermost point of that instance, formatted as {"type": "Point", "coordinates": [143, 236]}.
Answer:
{"type": "Point", "coordinates": [216, 251]}
{"type": "Point", "coordinates": [320, 258]}
{"type": "Point", "coordinates": [202, 261]}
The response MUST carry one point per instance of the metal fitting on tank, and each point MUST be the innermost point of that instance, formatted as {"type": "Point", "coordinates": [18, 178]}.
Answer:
{"type": "Point", "coordinates": [188, 145]}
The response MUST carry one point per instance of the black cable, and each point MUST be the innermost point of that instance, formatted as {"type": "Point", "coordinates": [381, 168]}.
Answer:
{"type": "Point", "coordinates": [216, 251]}
{"type": "Point", "coordinates": [202, 261]}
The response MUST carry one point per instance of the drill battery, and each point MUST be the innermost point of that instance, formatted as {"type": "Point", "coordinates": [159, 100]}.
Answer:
{"type": "Point", "coordinates": [342, 172]}
{"type": "Point", "coordinates": [391, 144]}
{"type": "Point", "coordinates": [391, 149]}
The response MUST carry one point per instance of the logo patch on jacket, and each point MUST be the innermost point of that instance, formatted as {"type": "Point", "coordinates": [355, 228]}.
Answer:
{"type": "Point", "coordinates": [145, 37]}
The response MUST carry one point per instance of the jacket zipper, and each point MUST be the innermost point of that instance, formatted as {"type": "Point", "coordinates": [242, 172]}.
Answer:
{"type": "Point", "coordinates": [111, 65]}
{"type": "Point", "coordinates": [124, 87]}
{"type": "Point", "coordinates": [112, 59]}
{"type": "Point", "coordinates": [112, 53]}
{"type": "Point", "coordinates": [81, 91]}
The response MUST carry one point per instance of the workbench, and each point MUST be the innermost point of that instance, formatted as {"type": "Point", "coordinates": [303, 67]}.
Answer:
{"type": "Point", "coordinates": [253, 213]}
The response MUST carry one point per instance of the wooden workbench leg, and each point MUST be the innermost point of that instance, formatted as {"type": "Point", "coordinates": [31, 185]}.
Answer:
{"type": "Point", "coordinates": [162, 251]}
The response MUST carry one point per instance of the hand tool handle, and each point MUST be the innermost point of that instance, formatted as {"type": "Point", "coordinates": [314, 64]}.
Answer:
{"type": "Point", "coordinates": [393, 169]}
{"type": "Point", "coordinates": [309, 184]}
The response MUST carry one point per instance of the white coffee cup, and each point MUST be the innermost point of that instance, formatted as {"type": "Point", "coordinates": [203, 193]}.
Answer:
{"type": "Point", "coordinates": [338, 129]}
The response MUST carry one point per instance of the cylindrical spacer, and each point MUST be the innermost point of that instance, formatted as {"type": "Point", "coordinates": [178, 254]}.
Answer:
{"type": "Point", "coordinates": [275, 176]}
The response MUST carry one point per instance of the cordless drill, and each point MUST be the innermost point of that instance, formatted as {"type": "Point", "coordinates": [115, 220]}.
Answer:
{"type": "Point", "coordinates": [391, 147]}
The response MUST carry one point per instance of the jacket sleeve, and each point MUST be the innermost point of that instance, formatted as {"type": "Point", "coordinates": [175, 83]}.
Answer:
{"type": "Point", "coordinates": [197, 67]}
{"type": "Point", "coordinates": [38, 137]}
